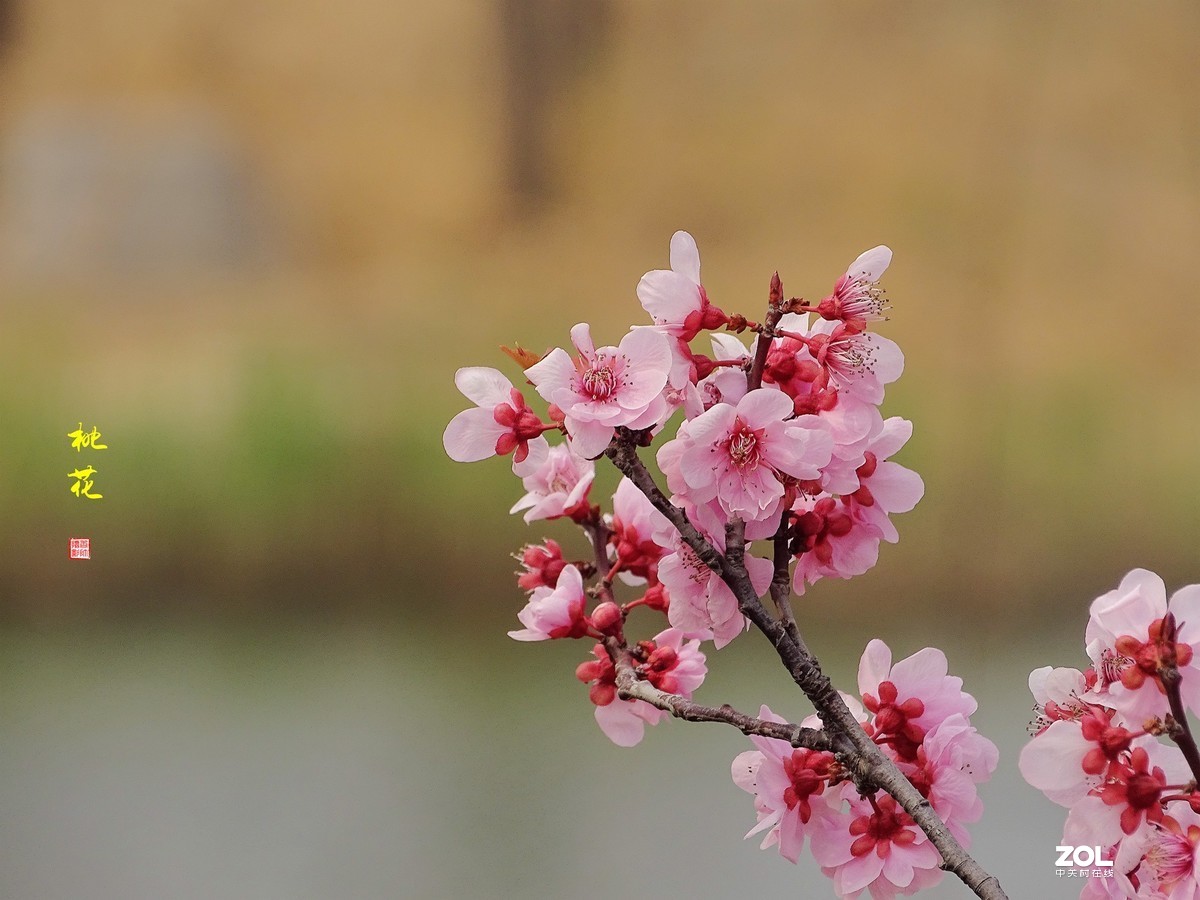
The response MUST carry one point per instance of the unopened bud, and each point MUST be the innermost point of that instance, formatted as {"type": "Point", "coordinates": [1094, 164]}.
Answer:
{"type": "Point", "coordinates": [656, 598]}
{"type": "Point", "coordinates": [589, 671]}
{"type": "Point", "coordinates": [713, 318]}
{"type": "Point", "coordinates": [776, 289]}
{"type": "Point", "coordinates": [704, 365]}
{"type": "Point", "coordinates": [607, 618]}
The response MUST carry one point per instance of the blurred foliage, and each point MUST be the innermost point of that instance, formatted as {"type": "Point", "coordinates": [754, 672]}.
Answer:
{"type": "Point", "coordinates": [274, 431]}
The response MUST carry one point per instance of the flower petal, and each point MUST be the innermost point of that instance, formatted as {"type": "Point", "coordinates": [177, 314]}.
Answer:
{"type": "Point", "coordinates": [872, 264]}
{"type": "Point", "coordinates": [685, 255]}
{"type": "Point", "coordinates": [472, 435]}
{"type": "Point", "coordinates": [483, 386]}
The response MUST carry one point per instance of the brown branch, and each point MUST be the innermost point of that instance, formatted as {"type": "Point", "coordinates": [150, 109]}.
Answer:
{"type": "Point", "coordinates": [766, 332]}
{"type": "Point", "coordinates": [630, 687]}
{"type": "Point", "coordinates": [867, 764]}
{"type": "Point", "coordinates": [598, 532]}
{"type": "Point", "coordinates": [1181, 733]}
{"type": "Point", "coordinates": [781, 582]}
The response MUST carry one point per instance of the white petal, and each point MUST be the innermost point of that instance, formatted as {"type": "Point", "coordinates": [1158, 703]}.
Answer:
{"type": "Point", "coordinates": [553, 374]}
{"type": "Point", "coordinates": [472, 435]}
{"type": "Point", "coordinates": [589, 439]}
{"type": "Point", "coordinates": [620, 724]}
{"type": "Point", "coordinates": [685, 256]}
{"type": "Point", "coordinates": [581, 337]}
{"type": "Point", "coordinates": [668, 296]}
{"type": "Point", "coordinates": [483, 386]}
{"type": "Point", "coordinates": [728, 346]}
{"type": "Point", "coordinates": [872, 264]}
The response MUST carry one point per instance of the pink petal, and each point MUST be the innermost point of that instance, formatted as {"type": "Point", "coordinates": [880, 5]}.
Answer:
{"type": "Point", "coordinates": [761, 571]}
{"type": "Point", "coordinates": [745, 769]}
{"type": "Point", "coordinates": [712, 426]}
{"type": "Point", "coordinates": [581, 337]}
{"type": "Point", "coordinates": [685, 256]}
{"type": "Point", "coordinates": [889, 360]}
{"type": "Point", "coordinates": [588, 439]}
{"type": "Point", "coordinates": [874, 667]}
{"type": "Point", "coordinates": [728, 346]}
{"type": "Point", "coordinates": [791, 836]}
{"type": "Point", "coordinates": [872, 264]}
{"type": "Point", "coordinates": [895, 488]}
{"type": "Point", "coordinates": [483, 386]}
{"type": "Point", "coordinates": [762, 406]}
{"type": "Point", "coordinates": [897, 868]}
{"type": "Point", "coordinates": [856, 553]}
{"type": "Point", "coordinates": [925, 667]}
{"type": "Point", "coordinates": [539, 452]}
{"type": "Point", "coordinates": [472, 435]}
{"type": "Point", "coordinates": [807, 445]}
{"type": "Point", "coordinates": [620, 724]}
{"type": "Point", "coordinates": [553, 374]}
{"type": "Point", "coordinates": [668, 296]}
{"type": "Point", "coordinates": [1053, 763]}
{"type": "Point", "coordinates": [892, 436]}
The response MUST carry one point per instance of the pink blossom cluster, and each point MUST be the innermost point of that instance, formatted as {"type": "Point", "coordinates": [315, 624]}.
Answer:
{"type": "Point", "coordinates": [920, 717]}
{"type": "Point", "coordinates": [1113, 744]}
{"type": "Point", "coordinates": [797, 447]}
{"type": "Point", "coordinates": [778, 445]}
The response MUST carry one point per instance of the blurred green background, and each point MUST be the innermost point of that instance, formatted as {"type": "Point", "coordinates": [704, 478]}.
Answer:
{"type": "Point", "coordinates": [252, 242]}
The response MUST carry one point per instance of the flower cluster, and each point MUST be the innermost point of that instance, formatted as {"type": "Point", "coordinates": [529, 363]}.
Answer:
{"type": "Point", "coordinates": [1098, 747]}
{"type": "Point", "coordinates": [920, 717]}
{"type": "Point", "coordinates": [777, 445]}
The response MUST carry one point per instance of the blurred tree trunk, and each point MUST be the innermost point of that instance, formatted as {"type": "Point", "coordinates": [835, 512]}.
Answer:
{"type": "Point", "coordinates": [546, 46]}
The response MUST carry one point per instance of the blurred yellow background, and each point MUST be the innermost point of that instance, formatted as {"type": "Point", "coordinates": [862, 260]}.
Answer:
{"type": "Point", "coordinates": [252, 242]}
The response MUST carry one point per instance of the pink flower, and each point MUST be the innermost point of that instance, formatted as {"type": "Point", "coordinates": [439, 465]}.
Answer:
{"type": "Point", "coordinates": [557, 485]}
{"type": "Point", "coordinates": [886, 487]}
{"type": "Point", "coordinates": [500, 423]}
{"type": "Point", "coordinates": [605, 388]}
{"type": "Point", "coordinates": [1164, 858]}
{"type": "Point", "coordinates": [952, 760]}
{"type": "Point", "coordinates": [666, 662]}
{"type": "Point", "coordinates": [853, 423]}
{"type": "Point", "coordinates": [1056, 693]}
{"type": "Point", "coordinates": [634, 524]}
{"type": "Point", "coordinates": [882, 850]}
{"type": "Point", "coordinates": [909, 698]}
{"type": "Point", "coordinates": [788, 785]}
{"type": "Point", "coordinates": [1072, 757]}
{"type": "Point", "coordinates": [853, 361]}
{"type": "Point", "coordinates": [832, 541]}
{"type": "Point", "coordinates": [725, 383]}
{"type": "Point", "coordinates": [857, 299]}
{"type": "Point", "coordinates": [1127, 643]}
{"type": "Point", "coordinates": [701, 602]}
{"type": "Point", "coordinates": [555, 613]}
{"type": "Point", "coordinates": [675, 299]}
{"type": "Point", "coordinates": [1130, 797]}
{"type": "Point", "coordinates": [739, 454]}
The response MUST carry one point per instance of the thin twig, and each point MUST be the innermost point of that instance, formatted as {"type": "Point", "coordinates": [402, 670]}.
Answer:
{"type": "Point", "coordinates": [599, 533]}
{"type": "Point", "coordinates": [630, 687]}
{"type": "Point", "coordinates": [765, 334]}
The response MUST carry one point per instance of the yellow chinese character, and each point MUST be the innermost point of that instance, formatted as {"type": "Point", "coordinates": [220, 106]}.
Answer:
{"type": "Point", "coordinates": [91, 439]}
{"type": "Point", "coordinates": [83, 487]}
